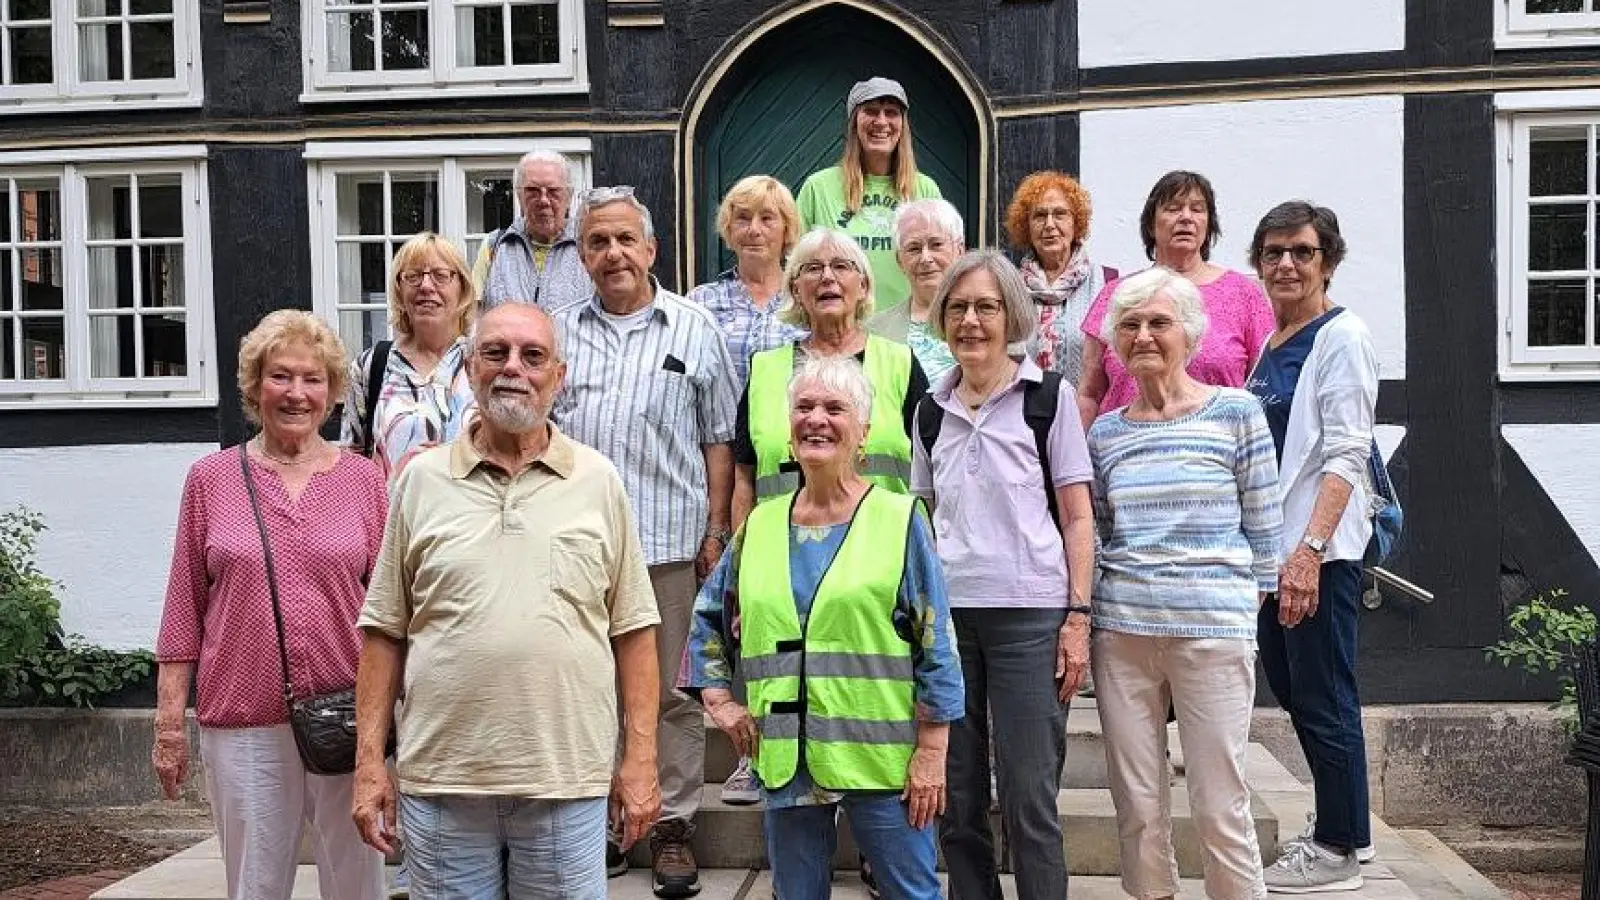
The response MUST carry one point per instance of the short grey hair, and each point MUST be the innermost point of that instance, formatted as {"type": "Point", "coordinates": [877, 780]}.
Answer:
{"type": "Point", "coordinates": [840, 374]}
{"type": "Point", "coordinates": [1016, 301]}
{"type": "Point", "coordinates": [594, 198]}
{"type": "Point", "coordinates": [556, 349]}
{"type": "Point", "coordinates": [811, 245]}
{"type": "Point", "coordinates": [1137, 290]}
{"type": "Point", "coordinates": [541, 156]}
{"type": "Point", "coordinates": [936, 212]}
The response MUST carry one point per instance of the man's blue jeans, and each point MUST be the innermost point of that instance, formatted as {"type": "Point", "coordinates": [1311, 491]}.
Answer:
{"type": "Point", "coordinates": [801, 841]}
{"type": "Point", "coordinates": [490, 848]}
{"type": "Point", "coordinates": [1311, 669]}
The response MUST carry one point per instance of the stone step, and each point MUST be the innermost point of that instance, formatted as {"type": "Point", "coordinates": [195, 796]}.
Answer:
{"type": "Point", "coordinates": [733, 837]}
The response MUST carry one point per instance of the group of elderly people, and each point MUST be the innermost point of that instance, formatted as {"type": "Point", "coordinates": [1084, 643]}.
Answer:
{"type": "Point", "coordinates": [890, 523]}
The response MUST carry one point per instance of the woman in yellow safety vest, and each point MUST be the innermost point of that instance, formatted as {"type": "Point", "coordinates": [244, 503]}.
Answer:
{"type": "Point", "coordinates": [830, 602]}
{"type": "Point", "coordinates": [828, 289]}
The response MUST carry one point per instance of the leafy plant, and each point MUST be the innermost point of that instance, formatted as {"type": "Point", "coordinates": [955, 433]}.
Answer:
{"type": "Point", "coordinates": [30, 614]}
{"type": "Point", "coordinates": [1547, 638]}
{"type": "Point", "coordinates": [76, 673]}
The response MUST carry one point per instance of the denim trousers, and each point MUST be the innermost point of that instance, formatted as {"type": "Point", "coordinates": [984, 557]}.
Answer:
{"type": "Point", "coordinates": [1311, 669]}
{"type": "Point", "coordinates": [1008, 659]}
{"type": "Point", "coordinates": [487, 848]}
{"type": "Point", "coordinates": [801, 841]}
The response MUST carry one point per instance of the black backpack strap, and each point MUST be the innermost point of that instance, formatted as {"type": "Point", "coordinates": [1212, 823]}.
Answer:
{"type": "Point", "coordinates": [376, 367]}
{"type": "Point", "coordinates": [1039, 401]}
{"type": "Point", "coordinates": [930, 418]}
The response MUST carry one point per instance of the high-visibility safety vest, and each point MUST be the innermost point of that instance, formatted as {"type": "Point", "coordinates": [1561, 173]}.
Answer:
{"type": "Point", "coordinates": [887, 448]}
{"type": "Point", "coordinates": [843, 683]}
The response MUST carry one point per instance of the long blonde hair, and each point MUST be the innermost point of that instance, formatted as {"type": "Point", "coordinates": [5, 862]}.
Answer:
{"type": "Point", "coordinates": [902, 167]}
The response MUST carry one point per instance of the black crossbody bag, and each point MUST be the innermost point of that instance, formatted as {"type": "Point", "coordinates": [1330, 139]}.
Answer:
{"type": "Point", "coordinates": [324, 725]}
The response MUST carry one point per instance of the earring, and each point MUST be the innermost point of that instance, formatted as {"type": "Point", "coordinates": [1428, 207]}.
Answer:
{"type": "Point", "coordinates": [861, 457]}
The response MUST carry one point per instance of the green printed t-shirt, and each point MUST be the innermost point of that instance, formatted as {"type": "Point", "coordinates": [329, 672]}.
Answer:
{"type": "Point", "coordinates": [821, 203]}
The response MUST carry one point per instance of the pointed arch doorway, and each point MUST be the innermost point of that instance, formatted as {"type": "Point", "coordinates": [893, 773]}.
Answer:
{"type": "Point", "coordinates": [773, 103]}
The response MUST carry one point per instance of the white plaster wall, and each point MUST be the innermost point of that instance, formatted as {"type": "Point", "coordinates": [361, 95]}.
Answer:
{"type": "Point", "coordinates": [1346, 154]}
{"type": "Point", "coordinates": [1388, 438]}
{"type": "Point", "coordinates": [112, 511]}
{"type": "Point", "coordinates": [1562, 458]}
{"type": "Point", "coordinates": [1121, 33]}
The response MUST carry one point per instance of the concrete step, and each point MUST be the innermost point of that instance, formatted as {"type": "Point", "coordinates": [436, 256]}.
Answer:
{"type": "Point", "coordinates": [734, 837]}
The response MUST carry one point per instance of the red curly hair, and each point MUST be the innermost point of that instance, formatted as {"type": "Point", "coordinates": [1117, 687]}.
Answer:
{"type": "Point", "coordinates": [1030, 192]}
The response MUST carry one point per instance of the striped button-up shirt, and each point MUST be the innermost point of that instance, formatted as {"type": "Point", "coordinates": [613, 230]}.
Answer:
{"type": "Point", "coordinates": [748, 328]}
{"type": "Point", "coordinates": [649, 398]}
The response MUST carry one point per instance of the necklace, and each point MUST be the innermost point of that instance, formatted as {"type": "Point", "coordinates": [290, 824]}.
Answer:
{"type": "Point", "coordinates": [966, 387]}
{"type": "Point", "coordinates": [261, 447]}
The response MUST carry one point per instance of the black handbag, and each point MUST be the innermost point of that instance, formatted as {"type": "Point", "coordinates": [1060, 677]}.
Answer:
{"type": "Point", "coordinates": [324, 725]}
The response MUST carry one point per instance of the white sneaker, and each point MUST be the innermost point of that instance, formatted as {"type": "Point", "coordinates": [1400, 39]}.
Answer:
{"type": "Point", "coordinates": [742, 787]}
{"type": "Point", "coordinates": [1364, 854]}
{"type": "Point", "coordinates": [1306, 867]}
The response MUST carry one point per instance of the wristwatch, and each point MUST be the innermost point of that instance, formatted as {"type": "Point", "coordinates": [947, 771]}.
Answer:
{"type": "Point", "coordinates": [1319, 546]}
{"type": "Point", "coordinates": [721, 534]}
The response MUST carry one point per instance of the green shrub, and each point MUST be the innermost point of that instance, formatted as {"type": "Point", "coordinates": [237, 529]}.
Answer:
{"type": "Point", "coordinates": [76, 674]}
{"type": "Point", "coordinates": [1545, 637]}
{"type": "Point", "coordinates": [30, 614]}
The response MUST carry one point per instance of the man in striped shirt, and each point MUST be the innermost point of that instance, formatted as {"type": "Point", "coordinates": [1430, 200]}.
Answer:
{"type": "Point", "coordinates": [650, 384]}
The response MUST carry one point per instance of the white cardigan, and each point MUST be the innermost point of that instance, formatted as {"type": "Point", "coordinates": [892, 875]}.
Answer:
{"type": "Point", "coordinates": [1330, 432]}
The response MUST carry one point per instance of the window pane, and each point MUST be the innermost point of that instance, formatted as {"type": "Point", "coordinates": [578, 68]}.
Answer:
{"type": "Point", "coordinates": [1555, 313]}
{"type": "Point", "coordinates": [29, 9]}
{"type": "Point", "coordinates": [350, 42]}
{"type": "Point", "coordinates": [111, 346]}
{"type": "Point", "coordinates": [91, 8]}
{"type": "Point", "coordinates": [160, 207]}
{"type": "Point", "coordinates": [161, 269]}
{"type": "Point", "coordinates": [152, 49]}
{"type": "Point", "coordinates": [100, 53]}
{"type": "Point", "coordinates": [8, 363]}
{"type": "Point", "coordinates": [479, 36]}
{"type": "Point", "coordinates": [110, 277]}
{"type": "Point", "coordinates": [363, 328]}
{"type": "Point", "coordinates": [38, 210]}
{"type": "Point", "coordinates": [31, 59]}
{"type": "Point", "coordinates": [1556, 237]}
{"type": "Point", "coordinates": [405, 39]}
{"type": "Point", "coordinates": [165, 346]}
{"type": "Point", "coordinates": [1557, 159]}
{"type": "Point", "coordinates": [149, 7]}
{"type": "Point", "coordinates": [41, 279]}
{"type": "Point", "coordinates": [43, 351]}
{"type": "Point", "coordinates": [1537, 7]}
{"type": "Point", "coordinates": [363, 271]}
{"type": "Point", "coordinates": [414, 203]}
{"type": "Point", "coordinates": [489, 202]}
{"type": "Point", "coordinates": [360, 203]}
{"type": "Point", "coordinates": [535, 36]}
{"type": "Point", "coordinates": [109, 212]}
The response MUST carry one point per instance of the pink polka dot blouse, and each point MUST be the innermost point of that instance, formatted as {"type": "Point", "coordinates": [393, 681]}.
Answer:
{"type": "Point", "coordinates": [218, 611]}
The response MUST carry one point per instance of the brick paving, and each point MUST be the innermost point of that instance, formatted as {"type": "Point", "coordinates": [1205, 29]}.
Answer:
{"type": "Point", "coordinates": [76, 887]}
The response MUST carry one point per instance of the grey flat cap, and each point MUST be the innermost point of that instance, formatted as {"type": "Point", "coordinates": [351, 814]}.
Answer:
{"type": "Point", "coordinates": [875, 88]}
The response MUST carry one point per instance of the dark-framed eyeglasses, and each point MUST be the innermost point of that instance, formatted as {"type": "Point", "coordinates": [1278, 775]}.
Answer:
{"type": "Point", "coordinates": [414, 277]}
{"type": "Point", "coordinates": [1302, 254]}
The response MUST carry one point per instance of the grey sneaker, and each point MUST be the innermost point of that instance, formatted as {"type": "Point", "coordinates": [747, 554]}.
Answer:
{"type": "Point", "coordinates": [1364, 854]}
{"type": "Point", "coordinates": [742, 788]}
{"type": "Point", "coordinates": [1306, 868]}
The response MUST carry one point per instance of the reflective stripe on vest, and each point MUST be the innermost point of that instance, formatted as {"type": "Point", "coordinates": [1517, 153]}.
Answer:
{"type": "Point", "coordinates": [843, 684]}
{"type": "Point", "coordinates": [887, 448]}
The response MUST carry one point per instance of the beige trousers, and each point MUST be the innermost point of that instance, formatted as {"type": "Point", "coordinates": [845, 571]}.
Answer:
{"type": "Point", "coordinates": [1210, 682]}
{"type": "Point", "coordinates": [681, 730]}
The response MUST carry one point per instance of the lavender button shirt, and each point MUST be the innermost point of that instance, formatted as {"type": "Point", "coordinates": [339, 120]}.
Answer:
{"type": "Point", "coordinates": [995, 537]}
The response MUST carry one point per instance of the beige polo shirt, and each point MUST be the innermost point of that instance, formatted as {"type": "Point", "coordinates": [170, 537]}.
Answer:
{"type": "Point", "coordinates": [507, 592]}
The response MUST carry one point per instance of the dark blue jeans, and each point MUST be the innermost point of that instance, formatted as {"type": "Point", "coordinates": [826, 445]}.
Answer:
{"type": "Point", "coordinates": [1311, 669]}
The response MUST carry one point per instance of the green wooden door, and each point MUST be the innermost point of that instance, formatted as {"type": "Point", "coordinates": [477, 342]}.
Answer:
{"type": "Point", "coordinates": [781, 113]}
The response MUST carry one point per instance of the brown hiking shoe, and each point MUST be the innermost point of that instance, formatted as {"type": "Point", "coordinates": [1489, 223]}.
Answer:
{"type": "Point", "coordinates": [675, 873]}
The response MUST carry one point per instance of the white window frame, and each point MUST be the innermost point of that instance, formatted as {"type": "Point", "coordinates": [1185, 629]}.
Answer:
{"type": "Point", "coordinates": [1522, 113]}
{"type": "Point", "coordinates": [79, 389]}
{"type": "Point", "coordinates": [442, 77]}
{"type": "Point", "coordinates": [1515, 28]}
{"type": "Point", "coordinates": [447, 160]}
{"type": "Point", "coordinates": [69, 93]}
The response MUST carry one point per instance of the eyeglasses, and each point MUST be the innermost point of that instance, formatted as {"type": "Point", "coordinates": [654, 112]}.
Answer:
{"type": "Point", "coordinates": [536, 191]}
{"type": "Point", "coordinates": [1302, 254]}
{"type": "Point", "coordinates": [1157, 325]}
{"type": "Point", "coordinates": [533, 357]}
{"type": "Point", "coordinates": [839, 268]}
{"type": "Point", "coordinates": [440, 276]}
{"type": "Point", "coordinates": [915, 248]}
{"type": "Point", "coordinates": [600, 196]}
{"type": "Point", "coordinates": [956, 311]}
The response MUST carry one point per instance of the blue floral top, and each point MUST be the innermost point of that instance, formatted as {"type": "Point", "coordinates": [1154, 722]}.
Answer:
{"type": "Point", "coordinates": [921, 616]}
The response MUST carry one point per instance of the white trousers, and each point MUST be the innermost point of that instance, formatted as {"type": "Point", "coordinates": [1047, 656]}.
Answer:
{"type": "Point", "coordinates": [1210, 683]}
{"type": "Point", "coordinates": [262, 797]}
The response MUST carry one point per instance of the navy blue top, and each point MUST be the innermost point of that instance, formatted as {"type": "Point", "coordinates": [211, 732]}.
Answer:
{"type": "Point", "coordinates": [1276, 375]}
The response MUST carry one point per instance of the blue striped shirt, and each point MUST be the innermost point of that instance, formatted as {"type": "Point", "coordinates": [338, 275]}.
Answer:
{"type": "Point", "coordinates": [748, 328]}
{"type": "Point", "coordinates": [1189, 519]}
{"type": "Point", "coordinates": [649, 398]}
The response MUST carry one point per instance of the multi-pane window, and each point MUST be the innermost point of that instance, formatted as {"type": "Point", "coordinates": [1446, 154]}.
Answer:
{"type": "Point", "coordinates": [63, 53]}
{"type": "Point", "coordinates": [1547, 22]}
{"type": "Point", "coordinates": [389, 46]}
{"type": "Point", "coordinates": [101, 289]}
{"type": "Point", "coordinates": [365, 208]}
{"type": "Point", "coordinates": [1555, 242]}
